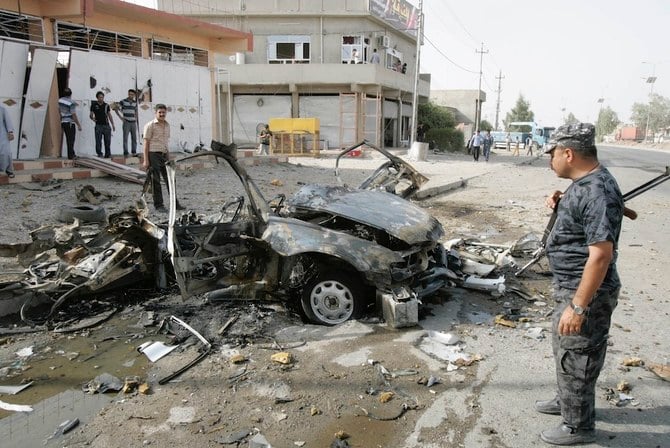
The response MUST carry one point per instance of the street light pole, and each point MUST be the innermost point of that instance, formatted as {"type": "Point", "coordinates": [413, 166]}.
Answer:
{"type": "Point", "coordinates": [478, 109]}
{"type": "Point", "coordinates": [417, 66]}
{"type": "Point", "coordinates": [650, 80]}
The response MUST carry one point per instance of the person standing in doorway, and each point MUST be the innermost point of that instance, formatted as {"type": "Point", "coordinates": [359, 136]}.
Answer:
{"type": "Point", "coordinates": [475, 144]}
{"type": "Point", "coordinates": [355, 58]}
{"type": "Point", "coordinates": [128, 116]}
{"type": "Point", "coordinates": [582, 253]}
{"type": "Point", "coordinates": [101, 115]}
{"type": "Point", "coordinates": [6, 136]}
{"type": "Point", "coordinates": [156, 154]}
{"type": "Point", "coordinates": [68, 119]}
{"type": "Point", "coordinates": [265, 137]}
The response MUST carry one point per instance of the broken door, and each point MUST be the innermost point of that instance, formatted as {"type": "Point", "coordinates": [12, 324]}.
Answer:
{"type": "Point", "coordinates": [13, 62]}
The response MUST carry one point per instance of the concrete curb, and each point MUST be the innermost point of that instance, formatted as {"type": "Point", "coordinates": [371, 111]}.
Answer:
{"type": "Point", "coordinates": [431, 191]}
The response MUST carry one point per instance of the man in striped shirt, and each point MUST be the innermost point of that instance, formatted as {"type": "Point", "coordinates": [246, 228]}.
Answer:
{"type": "Point", "coordinates": [128, 116]}
{"type": "Point", "coordinates": [68, 119]}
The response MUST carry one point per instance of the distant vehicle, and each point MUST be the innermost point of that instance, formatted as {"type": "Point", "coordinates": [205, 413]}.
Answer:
{"type": "Point", "coordinates": [630, 134]}
{"type": "Point", "coordinates": [539, 134]}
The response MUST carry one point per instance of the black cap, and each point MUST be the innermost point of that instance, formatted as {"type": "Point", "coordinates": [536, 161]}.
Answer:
{"type": "Point", "coordinates": [577, 136]}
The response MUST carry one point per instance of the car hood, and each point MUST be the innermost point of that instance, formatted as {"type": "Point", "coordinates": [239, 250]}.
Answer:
{"type": "Point", "coordinates": [398, 217]}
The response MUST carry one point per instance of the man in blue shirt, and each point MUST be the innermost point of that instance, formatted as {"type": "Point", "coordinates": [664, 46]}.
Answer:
{"type": "Point", "coordinates": [68, 119]}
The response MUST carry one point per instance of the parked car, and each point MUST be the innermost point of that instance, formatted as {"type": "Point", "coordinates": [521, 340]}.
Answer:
{"type": "Point", "coordinates": [331, 250]}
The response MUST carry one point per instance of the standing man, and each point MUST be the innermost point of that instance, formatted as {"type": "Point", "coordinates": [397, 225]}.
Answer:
{"type": "Point", "coordinates": [156, 155]}
{"type": "Point", "coordinates": [582, 252]}
{"type": "Point", "coordinates": [101, 114]}
{"type": "Point", "coordinates": [476, 143]}
{"type": "Point", "coordinates": [488, 141]}
{"type": "Point", "coordinates": [128, 117]}
{"type": "Point", "coordinates": [516, 146]}
{"type": "Point", "coordinates": [508, 141]}
{"type": "Point", "coordinates": [6, 136]}
{"type": "Point", "coordinates": [68, 119]}
{"type": "Point", "coordinates": [529, 145]}
{"type": "Point", "coordinates": [355, 58]}
{"type": "Point", "coordinates": [374, 59]}
{"type": "Point", "coordinates": [265, 137]}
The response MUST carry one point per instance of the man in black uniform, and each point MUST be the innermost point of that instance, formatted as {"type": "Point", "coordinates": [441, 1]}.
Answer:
{"type": "Point", "coordinates": [582, 255]}
{"type": "Point", "coordinates": [101, 114]}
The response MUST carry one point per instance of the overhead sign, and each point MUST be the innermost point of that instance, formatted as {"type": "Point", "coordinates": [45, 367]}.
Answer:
{"type": "Point", "coordinates": [400, 14]}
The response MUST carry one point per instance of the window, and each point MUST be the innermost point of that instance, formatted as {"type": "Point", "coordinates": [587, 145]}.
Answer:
{"type": "Point", "coordinates": [165, 51]}
{"type": "Point", "coordinates": [288, 49]}
{"type": "Point", "coordinates": [22, 27]}
{"type": "Point", "coordinates": [359, 43]}
{"type": "Point", "coordinates": [77, 36]}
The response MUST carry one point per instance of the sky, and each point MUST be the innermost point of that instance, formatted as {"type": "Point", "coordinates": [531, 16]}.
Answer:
{"type": "Point", "coordinates": [561, 55]}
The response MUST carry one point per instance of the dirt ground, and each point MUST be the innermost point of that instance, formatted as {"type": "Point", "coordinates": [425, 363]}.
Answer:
{"type": "Point", "coordinates": [361, 384]}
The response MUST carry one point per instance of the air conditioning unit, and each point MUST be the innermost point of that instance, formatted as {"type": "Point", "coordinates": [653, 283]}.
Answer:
{"type": "Point", "coordinates": [383, 41]}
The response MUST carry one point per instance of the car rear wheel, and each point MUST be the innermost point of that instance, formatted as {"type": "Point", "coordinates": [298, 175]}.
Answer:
{"type": "Point", "coordinates": [332, 298]}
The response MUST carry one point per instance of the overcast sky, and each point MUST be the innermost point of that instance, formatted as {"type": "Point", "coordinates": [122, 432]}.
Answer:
{"type": "Point", "coordinates": [560, 54]}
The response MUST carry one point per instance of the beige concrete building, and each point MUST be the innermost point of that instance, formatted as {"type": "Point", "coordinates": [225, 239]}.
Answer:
{"type": "Point", "coordinates": [314, 58]}
{"type": "Point", "coordinates": [109, 46]}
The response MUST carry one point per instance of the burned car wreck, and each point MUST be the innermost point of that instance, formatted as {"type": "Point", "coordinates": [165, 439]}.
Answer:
{"type": "Point", "coordinates": [334, 250]}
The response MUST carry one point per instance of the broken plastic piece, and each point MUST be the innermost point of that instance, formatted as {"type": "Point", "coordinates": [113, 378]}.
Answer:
{"type": "Point", "coordinates": [155, 350]}
{"type": "Point", "coordinates": [13, 390]}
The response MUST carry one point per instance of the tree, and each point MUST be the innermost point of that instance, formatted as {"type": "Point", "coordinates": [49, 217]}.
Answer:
{"type": "Point", "coordinates": [570, 119]}
{"type": "Point", "coordinates": [434, 116]}
{"type": "Point", "coordinates": [607, 123]}
{"type": "Point", "coordinates": [441, 126]}
{"type": "Point", "coordinates": [485, 126]}
{"type": "Point", "coordinates": [657, 111]}
{"type": "Point", "coordinates": [520, 112]}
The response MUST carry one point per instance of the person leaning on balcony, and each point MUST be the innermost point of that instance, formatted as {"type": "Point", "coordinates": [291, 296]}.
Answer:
{"type": "Point", "coordinates": [355, 58]}
{"type": "Point", "coordinates": [374, 59]}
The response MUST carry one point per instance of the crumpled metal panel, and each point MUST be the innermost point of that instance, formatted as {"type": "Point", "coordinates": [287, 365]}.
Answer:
{"type": "Point", "coordinates": [289, 237]}
{"type": "Point", "coordinates": [397, 216]}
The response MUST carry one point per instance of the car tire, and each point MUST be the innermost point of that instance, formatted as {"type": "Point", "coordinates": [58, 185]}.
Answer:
{"type": "Point", "coordinates": [332, 298]}
{"type": "Point", "coordinates": [84, 213]}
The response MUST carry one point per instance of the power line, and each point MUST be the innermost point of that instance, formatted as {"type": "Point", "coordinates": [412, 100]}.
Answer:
{"type": "Point", "coordinates": [447, 57]}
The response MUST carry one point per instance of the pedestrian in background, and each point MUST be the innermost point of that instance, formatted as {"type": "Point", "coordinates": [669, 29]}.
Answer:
{"type": "Point", "coordinates": [128, 117]}
{"type": "Point", "coordinates": [516, 146]}
{"type": "Point", "coordinates": [355, 58]}
{"type": "Point", "coordinates": [101, 115]}
{"type": "Point", "coordinates": [488, 141]}
{"type": "Point", "coordinates": [265, 136]}
{"type": "Point", "coordinates": [68, 119]}
{"type": "Point", "coordinates": [6, 136]}
{"type": "Point", "coordinates": [156, 155]}
{"type": "Point", "coordinates": [475, 145]}
{"type": "Point", "coordinates": [582, 251]}
{"type": "Point", "coordinates": [529, 145]}
{"type": "Point", "coordinates": [508, 141]}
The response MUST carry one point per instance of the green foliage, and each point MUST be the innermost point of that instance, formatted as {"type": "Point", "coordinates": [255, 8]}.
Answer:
{"type": "Point", "coordinates": [520, 112]}
{"type": "Point", "coordinates": [607, 123]}
{"type": "Point", "coordinates": [570, 119]}
{"type": "Point", "coordinates": [446, 139]}
{"type": "Point", "coordinates": [485, 126]}
{"type": "Point", "coordinates": [657, 110]}
{"type": "Point", "coordinates": [435, 116]}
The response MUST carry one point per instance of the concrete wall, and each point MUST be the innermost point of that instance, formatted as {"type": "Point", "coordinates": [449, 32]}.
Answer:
{"type": "Point", "coordinates": [464, 101]}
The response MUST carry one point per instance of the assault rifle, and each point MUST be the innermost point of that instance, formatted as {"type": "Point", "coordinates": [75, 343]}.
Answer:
{"type": "Point", "coordinates": [542, 250]}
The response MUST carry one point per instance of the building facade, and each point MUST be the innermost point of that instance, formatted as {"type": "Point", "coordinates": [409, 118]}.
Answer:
{"type": "Point", "coordinates": [314, 59]}
{"type": "Point", "coordinates": [109, 46]}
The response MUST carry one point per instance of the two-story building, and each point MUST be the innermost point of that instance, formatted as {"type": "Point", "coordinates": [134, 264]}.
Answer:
{"type": "Point", "coordinates": [314, 58]}
{"type": "Point", "coordinates": [109, 46]}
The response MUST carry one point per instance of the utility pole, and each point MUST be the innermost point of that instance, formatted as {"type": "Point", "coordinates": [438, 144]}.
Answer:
{"type": "Point", "coordinates": [500, 77]}
{"type": "Point", "coordinates": [478, 109]}
{"type": "Point", "coordinates": [415, 95]}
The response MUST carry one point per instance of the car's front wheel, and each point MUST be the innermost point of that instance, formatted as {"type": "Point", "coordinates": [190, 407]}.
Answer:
{"type": "Point", "coordinates": [332, 298]}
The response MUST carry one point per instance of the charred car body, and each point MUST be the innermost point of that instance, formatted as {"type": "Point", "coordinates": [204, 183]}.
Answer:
{"type": "Point", "coordinates": [333, 249]}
